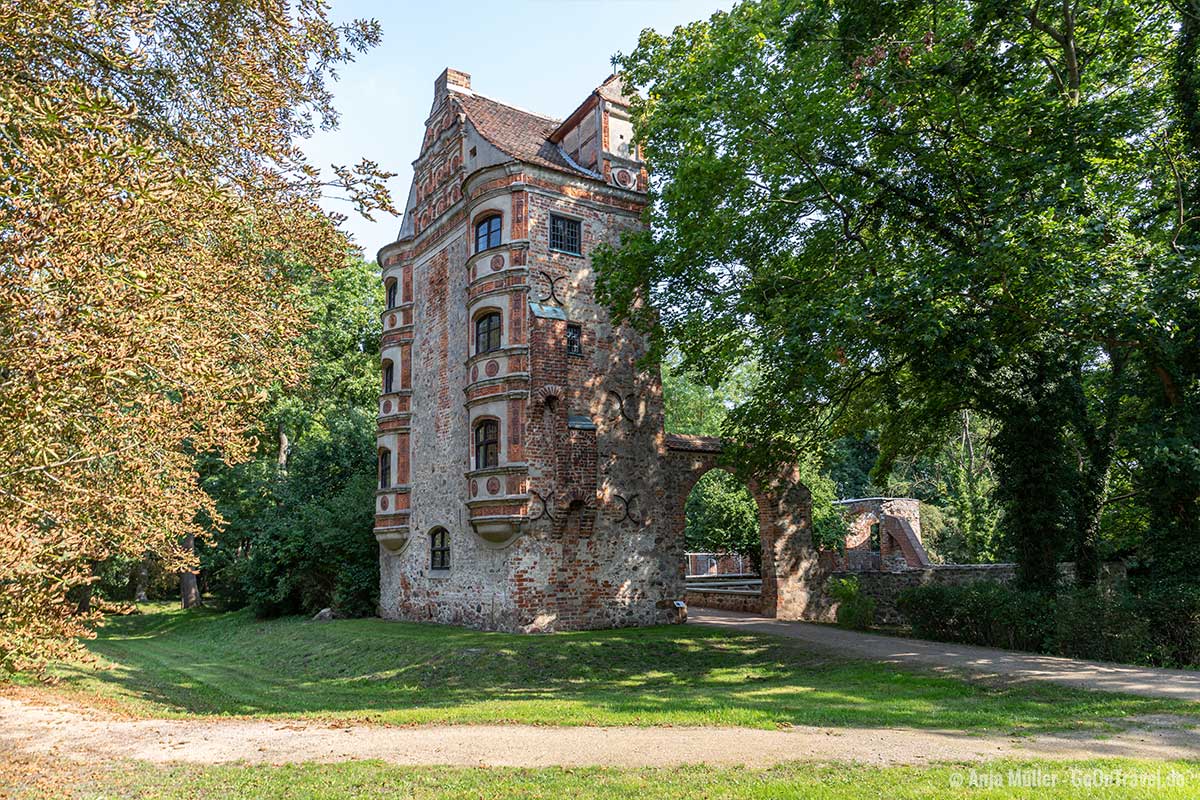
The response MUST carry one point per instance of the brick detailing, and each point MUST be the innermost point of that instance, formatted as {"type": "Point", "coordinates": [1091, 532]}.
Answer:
{"type": "Point", "coordinates": [580, 523]}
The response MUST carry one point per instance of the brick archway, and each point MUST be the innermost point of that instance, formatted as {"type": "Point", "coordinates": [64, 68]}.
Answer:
{"type": "Point", "coordinates": [789, 560]}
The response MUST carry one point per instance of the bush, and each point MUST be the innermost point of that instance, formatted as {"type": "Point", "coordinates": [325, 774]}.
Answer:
{"type": "Point", "coordinates": [1160, 627]}
{"type": "Point", "coordinates": [1101, 623]}
{"type": "Point", "coordinates": [855, 610]}
{"type": "Point", "coordinates": [984, 612]}
{"type": "Point", "coordinates": [1173, 614]}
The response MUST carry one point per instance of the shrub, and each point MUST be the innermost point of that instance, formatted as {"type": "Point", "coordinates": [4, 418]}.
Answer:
{"type": "Point", "coordinates": [1172, 612]}
{"type": "Point", "coordinates": [1160, 626]}
{"type": "Point", "coordinates": [855, 610]}
{"type": "Point", "coordinates": [983, 612]}
{"type": "Point", "coordinates": [1101, 623]}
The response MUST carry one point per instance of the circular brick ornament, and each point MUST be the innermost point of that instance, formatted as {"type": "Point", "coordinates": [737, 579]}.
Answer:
{"type": "Point", "coordinates": [493, 485]}
{"type": "Point", "coordinates": [491, 368]}
{"type": "Point", "coordinates": [392, 321]}
{"type": "Point", "coordinates": [387, 406]}
{"type": "Point", "coordinates": [497, 262]}
{"type": "Point", "coordinates": [474, 488]}
{"type": "Point", "coordinates": [475, 372]}
{"type": "Point", "coordinates": [383, 503]}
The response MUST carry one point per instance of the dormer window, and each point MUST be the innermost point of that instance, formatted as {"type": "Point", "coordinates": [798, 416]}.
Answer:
{"type": "Point", "coordinates": [565, 235]}
{"type": "Point", "coordinates": [487, 233]}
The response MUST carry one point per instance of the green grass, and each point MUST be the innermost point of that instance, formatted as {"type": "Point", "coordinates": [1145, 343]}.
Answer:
{"type": "Point", "coordinates": [374, 780]}
{"type": "Point", "coordinates": [168, 662]}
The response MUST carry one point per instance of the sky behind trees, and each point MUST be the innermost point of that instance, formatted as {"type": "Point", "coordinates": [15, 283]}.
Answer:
{"type": "Point", "coordinates": [542, 56]}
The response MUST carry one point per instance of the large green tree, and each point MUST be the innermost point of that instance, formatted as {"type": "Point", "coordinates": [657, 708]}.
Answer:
{"type": "Point", "coordinates": [907, 210]}
{"type": "Point", "coordinates": [153, 204]}
{"type": "Point", "coordinates": [298, 517]}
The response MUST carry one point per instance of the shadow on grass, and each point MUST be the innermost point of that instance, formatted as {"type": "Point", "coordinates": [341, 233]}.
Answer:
{"type": "Point", "coordinates": [203, 662]}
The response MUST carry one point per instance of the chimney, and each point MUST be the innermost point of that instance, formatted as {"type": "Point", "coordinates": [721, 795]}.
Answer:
{"type": "Point", "coordinates": [449, 77]}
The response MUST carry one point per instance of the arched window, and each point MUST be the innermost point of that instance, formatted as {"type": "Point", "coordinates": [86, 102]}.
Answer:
{"type": "Point", "coordinates": [487, 333]}
{"type": "Point", "coordinates": [439, 549]}
{"type": "Point", "coordinates": [385, 468]}
{"type": "Point", "coordinates": [389, 376]}
{"type": "Point", "coordinates": [487, 444]}
{"type": "Point", "coordinates": [487, 233]}
{"type": "Point", "coordinates": [391, 293]}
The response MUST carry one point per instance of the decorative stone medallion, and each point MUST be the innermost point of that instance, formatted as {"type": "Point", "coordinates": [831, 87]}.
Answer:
{"type": "Point", "coordinates": [474, 488]}
{"type": "Point", "coordinates": [497, 262]}
{"type": "Point", "coordinates": [493, 485]}
{"type": "Point", "coordinates": [475, 372]}
{"type": "Point", "coordinates": [491, 368]}
{"type": "Point", "coordinates": [387, 406]}
{"type": "Point", "coordinates": [392, 321]}
{"type": "Point", "coordinates": [383, 503]}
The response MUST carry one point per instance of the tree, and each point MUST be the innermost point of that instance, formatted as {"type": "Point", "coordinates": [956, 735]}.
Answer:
{"type": "Point", "coordinates": [157, 218]}
{"type": "Point", "coordinates": [298, 517]}
{"type": "Point", "coordinates": [721, 514]}
{"type": "Point", "coordinates": [903, 212]}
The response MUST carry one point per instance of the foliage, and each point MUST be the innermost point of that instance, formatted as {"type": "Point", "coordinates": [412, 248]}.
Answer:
{"type": "Point", "coordinates": [722, 517]}
{"type": "Point", "coordinates": [855, 610]}
{"type": "Point", "coordinates": [1109, 623]}
{"type": "Point", "coordinates": [299, 516]}
{"type": "Point", "coordinates": [411, 674]}
{"type": "Point", "coordinates": [903, 213]}
{"type": "Point", "coordinates": [155, 207]}
{"type": "Point", "coordinates": [981, 612]}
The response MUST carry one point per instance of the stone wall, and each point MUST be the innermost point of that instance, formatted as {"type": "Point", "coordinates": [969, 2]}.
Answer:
{"type": "Point", "coordinates": [885, 587]}
{"type": "Point", "coordinates": [725, 602]}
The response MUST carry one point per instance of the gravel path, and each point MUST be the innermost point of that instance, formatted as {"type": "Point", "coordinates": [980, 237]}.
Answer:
{"type": "Point", "coordinates": [1175, 684]}
{"type": "Point", "coordinates": [30, 726]}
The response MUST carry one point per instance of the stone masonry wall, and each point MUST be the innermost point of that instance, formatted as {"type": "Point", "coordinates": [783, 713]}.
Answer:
{"type": "Point", "coordinates": [751, 604]}
{"type": "Point", "coordinates": [885, 587]}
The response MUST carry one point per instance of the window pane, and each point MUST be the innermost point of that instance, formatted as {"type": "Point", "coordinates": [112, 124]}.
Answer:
{"type": "Point", "coordinates": [565, 234]}
{"type": "Point", "coordinates": [487, 445]}
{"type": "Point", "coordinates": [385, 469]}
{"type": "Point", "coordinates": [574, 340]}
{"type": "Point", "coordinates": [487, 333]}
{"type": "Point", "coordinates": [487, 233]}
{"type": "Point", "coordinates": [439, 549]}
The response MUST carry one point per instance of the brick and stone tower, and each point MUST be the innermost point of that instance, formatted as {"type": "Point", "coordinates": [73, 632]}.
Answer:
{"type": "Point", "coordinates": [521, 451]}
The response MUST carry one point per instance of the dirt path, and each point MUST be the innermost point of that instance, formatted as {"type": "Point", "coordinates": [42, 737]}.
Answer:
{"type": "Point", "coordinates": [1174, 684]}
{"type": "Point", "coordinates": [62, 731]}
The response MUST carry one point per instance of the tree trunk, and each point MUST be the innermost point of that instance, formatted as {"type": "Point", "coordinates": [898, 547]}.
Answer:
{"type": "Point", "coordinates": [283, 448]}
{"type": "Point", "coordinates": [141, 580]}
{"type": "Point", "coordinates": [189, 586]}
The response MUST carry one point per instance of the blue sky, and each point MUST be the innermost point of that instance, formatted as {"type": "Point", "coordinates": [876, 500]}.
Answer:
{"type": "Point", "coordinates": [540, 55]}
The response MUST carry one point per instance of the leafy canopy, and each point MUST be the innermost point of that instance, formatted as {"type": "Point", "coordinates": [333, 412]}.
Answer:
{"type": "Point", "coordinates": [156, 218]}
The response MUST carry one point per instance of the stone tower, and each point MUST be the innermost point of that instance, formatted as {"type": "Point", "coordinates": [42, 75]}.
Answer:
{"type": "Point", "coordinates": [521, 450]}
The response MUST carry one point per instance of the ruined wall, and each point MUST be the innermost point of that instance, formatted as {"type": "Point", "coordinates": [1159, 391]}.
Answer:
{"type": "Point", "coordinates": [885, 587]}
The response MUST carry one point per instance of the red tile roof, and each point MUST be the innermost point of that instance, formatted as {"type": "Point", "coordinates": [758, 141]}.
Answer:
{"type": "Point", "coordinates": [521, 134]}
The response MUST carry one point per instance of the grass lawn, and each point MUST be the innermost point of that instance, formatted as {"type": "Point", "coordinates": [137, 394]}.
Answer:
{"type": "Point", "coordinates": [168, 662]}
{"type": "Point", "coordinates": [1044, 780]}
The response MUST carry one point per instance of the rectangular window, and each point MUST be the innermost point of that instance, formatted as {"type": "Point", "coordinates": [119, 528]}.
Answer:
{"type": "Point", "coordinates": [574, 340]}
{"type": "Point", "coordinates": [565, 235]}
{"type": "Point", "coordinates": [385, 469]}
